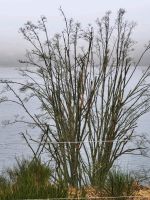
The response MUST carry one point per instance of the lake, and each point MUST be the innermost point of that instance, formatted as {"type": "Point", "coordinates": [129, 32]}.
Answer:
{"type": "Point", "coordinates": [12, 144]}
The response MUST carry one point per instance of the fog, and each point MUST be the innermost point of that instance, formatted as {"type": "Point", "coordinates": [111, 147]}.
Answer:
{"type": "Point", "coordinates": [13, 14]}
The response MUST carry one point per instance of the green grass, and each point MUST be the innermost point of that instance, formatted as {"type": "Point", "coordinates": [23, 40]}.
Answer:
{"type": "Point", "coordinates": [119, 184]}
{"type": "Point", "coordinates": [29, 180]}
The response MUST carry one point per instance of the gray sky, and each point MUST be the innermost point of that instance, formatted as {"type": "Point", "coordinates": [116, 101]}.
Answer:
{"type": "Point", "coordinates": [14, 13]}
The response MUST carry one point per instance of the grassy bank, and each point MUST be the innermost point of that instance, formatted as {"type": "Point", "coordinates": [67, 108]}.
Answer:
{"type": "Point", "coordinates": [33, 180]}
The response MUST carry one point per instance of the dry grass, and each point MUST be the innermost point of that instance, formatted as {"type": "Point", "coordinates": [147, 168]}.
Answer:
{"type": "Point", "coordinates": [140, 193]}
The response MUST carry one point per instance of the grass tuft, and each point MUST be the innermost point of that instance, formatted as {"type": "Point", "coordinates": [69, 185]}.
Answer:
{"type": "Point", "coordinates": [119, 184]}
{"type": "Point", "coordinates": [29, 180]}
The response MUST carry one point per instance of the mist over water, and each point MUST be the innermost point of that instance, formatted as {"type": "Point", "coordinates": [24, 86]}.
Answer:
{"type": "Point", "coordinates": [12, 144]}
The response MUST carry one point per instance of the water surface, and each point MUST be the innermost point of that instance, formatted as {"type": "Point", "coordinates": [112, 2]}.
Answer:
{"type": "Point", "coordinates": [12, 144]}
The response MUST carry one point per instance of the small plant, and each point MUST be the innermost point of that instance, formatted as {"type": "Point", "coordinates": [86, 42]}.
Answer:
{"type": "Point", "coordinates": [33, 172]}
{"type": "Point", "coordinates": [119, 184]}
{"type": "Point", "coordinates": [30, 179]}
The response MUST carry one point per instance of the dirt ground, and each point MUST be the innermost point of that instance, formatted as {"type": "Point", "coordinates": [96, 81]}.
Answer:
{"type": "Point", "coordinates": [141, 193]}
{"type": "Point", "coordinates": [144, 194]}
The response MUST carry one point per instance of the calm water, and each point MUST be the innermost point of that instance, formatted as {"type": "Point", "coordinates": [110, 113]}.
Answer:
{"type": "Point", "coordinates": [12, 145]}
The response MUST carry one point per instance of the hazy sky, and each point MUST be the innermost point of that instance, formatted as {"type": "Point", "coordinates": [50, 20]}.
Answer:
{"type": "Point", "coordinates": [14, 13]}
